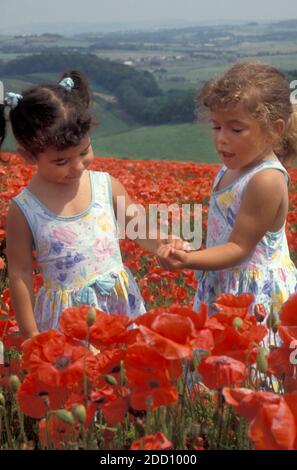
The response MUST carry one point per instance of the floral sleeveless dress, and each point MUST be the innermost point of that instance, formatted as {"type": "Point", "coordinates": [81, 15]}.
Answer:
{"type": "Point", "coordinates": [79, 257]}
{"type": "Point", "coordinates": [268, 273]}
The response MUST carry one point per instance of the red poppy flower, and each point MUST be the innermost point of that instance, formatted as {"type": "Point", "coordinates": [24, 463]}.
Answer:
{"type": "Point", "coordinates": [290, 384]}
{"type": "Point", "coordinates": [141, 362]}
{"type": "Point", "coordinates": [273, 417]}
{"type": "Point", "coordinates": [274, 427]}
{"type": "Point", "coordinates": [54, 359]}
{"type": "Point", "coordinates": [152, 442]}
{"type": "Point", "coordinates": [106, 362]}
{"type": "Point", "coordinates": [248, 403]}
{"type": "Point", "coordinates": [279, 361]}
{"type": "Point", "coordinates": [235, 331]}
{"type": "Point", "coordinates": [32, 395]}
{"type": "Point", "coordinates": [9, 368]}
{"type": "Point", "coordinates": [112, 402]}
{"type": "Point", "coordinates": [56, 433]}
{"type": "Point", "coordinates": [168, 333]}
{"type": "Point", "coordinates": [107, 329]}
{"type": "Point", "coordinates": [176, 332]}
{"type": "Point", "coordinates": [288, 313]}
{"type": "Point", "coordinates": [242, 342]}
{"type": "Point", "coordinates": [150, 377]}
{"type": "Point", "coordinates": [221, 371]}
{"type": "Point", "coordinates": [12, 337]}
{"type": "Point", "coordinates": [78, 398]}
{"type": "Point", "coordinates": [291, 401]}
{"type": "Point", "coordinates": [230, 305]}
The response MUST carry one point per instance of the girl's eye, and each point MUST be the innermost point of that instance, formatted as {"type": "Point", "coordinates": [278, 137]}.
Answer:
{"type": "Point", "coordinates": [237, 130]}
{"type": "Point", "coordinates": [61, 163]}
{"type": "Point", "coordinates": [215, 128]}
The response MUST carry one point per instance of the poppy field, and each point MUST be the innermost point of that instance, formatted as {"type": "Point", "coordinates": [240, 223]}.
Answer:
{"type": "Point", "coordinates": [169, 379]}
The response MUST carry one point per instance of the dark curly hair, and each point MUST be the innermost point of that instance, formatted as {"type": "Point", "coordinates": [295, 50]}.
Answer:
{"type": "Point", "coordinates": [50, 116]}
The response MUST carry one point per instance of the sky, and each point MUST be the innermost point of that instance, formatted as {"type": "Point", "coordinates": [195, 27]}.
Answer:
{"type": "Point", "coordinates": [14, 13]}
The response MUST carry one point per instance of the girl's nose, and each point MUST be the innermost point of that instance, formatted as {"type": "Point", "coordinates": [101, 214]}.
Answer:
{"type": "Point", "coordinates": [221, 137]}
{"type": "Point", "coordinates": [78, 166]}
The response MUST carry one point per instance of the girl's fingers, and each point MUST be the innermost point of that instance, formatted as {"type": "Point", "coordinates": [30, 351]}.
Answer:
{"type": "Point", "coordinates": [186, 246]}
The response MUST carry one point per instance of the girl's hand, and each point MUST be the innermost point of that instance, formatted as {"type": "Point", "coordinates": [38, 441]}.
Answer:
{"type": "Point", "coordinates": [178, 244]}
{"type": "Point", "coordinates": [171, 259]}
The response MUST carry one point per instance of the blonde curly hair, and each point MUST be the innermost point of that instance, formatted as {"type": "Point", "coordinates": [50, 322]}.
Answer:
{"type": "Point", "coordinates": [264, 92]}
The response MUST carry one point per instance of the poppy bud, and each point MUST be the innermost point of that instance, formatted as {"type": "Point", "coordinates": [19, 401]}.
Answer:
{"type": "Point", "coordinates": [65, 416]}
{"type": "Point", "coordinates": [91, 317]}
{"type": "Point", "coordinates": [260, 312]}
{"type": "Point", "coordinates": [262, 363]}
{"type": "Point", "coordinates": [237, 323]}
{"type": "Point", "coordinates": [123, 375]}
{"type": "Point", "coordinates": [14, 383]}
{"type": "Point", "coordinates": [79, 413]}
{"type": "Point", "coordinates": [275, 326]}
{"type": "Point", "coordinates": [2, 400]}
{"type": "Point", "coordinates": [110, 379]}
{"type": "Point", "coordinates": [272, 320]}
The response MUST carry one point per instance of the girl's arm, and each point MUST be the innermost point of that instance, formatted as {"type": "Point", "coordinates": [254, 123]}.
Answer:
{"type": "Point", "coordinates": [135, 220]}
{"type": "Point", "coordinates": [263, 199]}
{"type": "Point", "coordinates": [20, 270]}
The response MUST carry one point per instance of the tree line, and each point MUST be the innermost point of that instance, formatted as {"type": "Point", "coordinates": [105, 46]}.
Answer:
{"type": "Point", "coordinates": [137, 91]}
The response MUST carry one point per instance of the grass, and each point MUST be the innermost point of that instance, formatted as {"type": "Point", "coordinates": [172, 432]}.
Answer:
{"type": "Point", "coordinates": [184, 142]}
{"type": "Point", "coordinates": [120, 136]}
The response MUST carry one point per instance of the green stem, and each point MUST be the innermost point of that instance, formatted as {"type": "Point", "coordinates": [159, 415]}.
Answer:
{"type": "Point", "coordinates": [21, 420]}
{"type": "Point", "coordinates": [7, 428]}
{"type": "Point", "coordinates": [85, 378]}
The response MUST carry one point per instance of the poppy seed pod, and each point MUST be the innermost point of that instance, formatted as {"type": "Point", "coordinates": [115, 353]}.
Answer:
{"type": "Point", "coordinates": [272, 321]}
{"type": "Point", "coordinates": [262, 363]}
{"type": "Point", "coordinates": [237, 323]}
{"type": "Point", "coordinates": [79, 412]}
{"type": "Point", "coordinates": [65, 416]}
{"type": "Point", "coordinates": [110, 379]}
{"type": "Point", "coordinates": [2, 400]}
{"type": "Point", "coordinates": [14, 383]}
{"type": "Point", "coordinates": [91, 317]}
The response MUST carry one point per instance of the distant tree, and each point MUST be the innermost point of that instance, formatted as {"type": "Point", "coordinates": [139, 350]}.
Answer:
{"type": "Point", "coordinates": [137, 91]}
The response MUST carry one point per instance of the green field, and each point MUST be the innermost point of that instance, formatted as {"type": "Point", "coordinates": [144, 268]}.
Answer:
{"type": "Point", "coordinates": [182, 61]}
{"type": "Point", "coordinates": [116, 135]}
{"type": "Point", "coordinates": [185, 142]}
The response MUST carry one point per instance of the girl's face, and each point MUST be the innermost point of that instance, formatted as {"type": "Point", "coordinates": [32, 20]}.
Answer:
{"type": "Point", "coordinates": [239, 139]}
{"type": "Point", "coordinates": [65, 166]}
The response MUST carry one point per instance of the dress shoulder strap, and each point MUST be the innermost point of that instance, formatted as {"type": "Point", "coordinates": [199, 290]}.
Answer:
{"type": "Point", "coordinates": [32, 210]}
{"type": "Point", "coordinates": [103, 193]}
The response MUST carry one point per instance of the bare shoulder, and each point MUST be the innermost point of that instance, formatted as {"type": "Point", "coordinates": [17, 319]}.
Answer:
{"type": "Point", "coordinates": [16, 225]}
{"type": "Point", "coordinates": [268, 183]}
{"type": "Point", "coordinates": [118, 189]}
{"type": "Point", "coordinates": [116, 186]}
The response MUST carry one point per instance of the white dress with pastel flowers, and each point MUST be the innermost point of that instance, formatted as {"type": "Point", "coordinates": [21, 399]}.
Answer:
{"type": "Point", "coordinates": [79, 257]}
{"type": "Point", "coordinates": [268, 273]}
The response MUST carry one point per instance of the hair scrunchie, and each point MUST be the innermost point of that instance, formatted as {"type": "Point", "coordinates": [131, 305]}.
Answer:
{"type": "Point", "coordinates": [67, 83]}
{"type": "Point", "coordinates": [12, 99]}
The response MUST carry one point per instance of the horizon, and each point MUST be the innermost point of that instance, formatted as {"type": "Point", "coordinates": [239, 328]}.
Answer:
{"type": "Point", "coordinates": [36, 14]}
